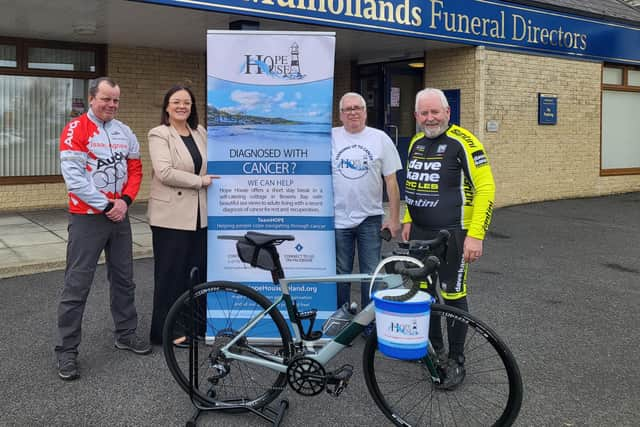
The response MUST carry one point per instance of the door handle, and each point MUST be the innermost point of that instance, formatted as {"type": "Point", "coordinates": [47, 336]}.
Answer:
{"type": "Point", "coordinates": [395, 129]}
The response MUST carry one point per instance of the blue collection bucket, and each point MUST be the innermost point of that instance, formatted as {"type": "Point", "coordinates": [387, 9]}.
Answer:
{"type": "Point", "coordinates": [402, 327]}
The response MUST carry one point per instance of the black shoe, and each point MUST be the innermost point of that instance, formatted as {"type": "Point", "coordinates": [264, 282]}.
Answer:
{"type": "Point", "coordinates": [133, 343]}
{"type": "Point", "coordinates": [68, 369]}
{"type": "Point", "coordinates": [454, 375]}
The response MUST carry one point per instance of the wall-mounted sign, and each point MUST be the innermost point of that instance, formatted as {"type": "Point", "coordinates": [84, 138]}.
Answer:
{"type": "Point", "coordinates": [491, 23]}
{"type": "Point", "coordinates": [395, 97]}
{"type": "Point", "coordinates": [547, 109]}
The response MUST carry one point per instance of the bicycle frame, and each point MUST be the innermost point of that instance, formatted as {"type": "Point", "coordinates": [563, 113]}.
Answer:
{"type": "Point", "coordinates": [330, 348]}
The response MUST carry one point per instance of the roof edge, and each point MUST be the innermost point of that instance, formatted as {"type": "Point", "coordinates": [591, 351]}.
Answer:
{"type": "Point", "coordinates": [582, 12]}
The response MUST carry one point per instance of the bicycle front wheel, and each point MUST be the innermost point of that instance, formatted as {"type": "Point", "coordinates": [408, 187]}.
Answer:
{"type": "Point", "coordinates": [210, 320]}
{"type": "Point", "coordinates": [409, 395]}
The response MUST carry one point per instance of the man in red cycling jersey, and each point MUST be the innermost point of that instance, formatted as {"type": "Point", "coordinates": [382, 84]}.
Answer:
{"type": "Point", "coordinates": [100, 163]}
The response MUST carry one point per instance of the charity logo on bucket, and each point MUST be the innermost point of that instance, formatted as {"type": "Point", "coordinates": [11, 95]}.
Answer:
{"type": "Point", "coordinates": [401, 329]}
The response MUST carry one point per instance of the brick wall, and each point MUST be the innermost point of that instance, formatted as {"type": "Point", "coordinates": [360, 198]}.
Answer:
{"type": "Point", "coordinates": [144, 76]}
{"type": "Point", "coordinates": [531, 162]}
{"type": "Point", "coordinates": [456, 69]}
{"type": "Point", "coordinates": [32, 196]}
{"type": "Point", "coordinates": [341, 85]}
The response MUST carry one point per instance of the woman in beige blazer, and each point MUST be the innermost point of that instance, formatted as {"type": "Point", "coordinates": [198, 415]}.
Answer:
{"type": "Point", "coordinates": [177, 207]}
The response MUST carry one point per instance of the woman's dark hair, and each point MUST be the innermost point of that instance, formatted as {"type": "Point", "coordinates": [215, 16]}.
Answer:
{"type": "Point", "coordinates": [192, 120]}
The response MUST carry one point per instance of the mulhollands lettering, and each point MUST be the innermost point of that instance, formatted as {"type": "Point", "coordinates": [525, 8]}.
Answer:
{"type": "Point", "coordinates": [503, 26]}
{"type": "Point", "coordinates": [404, 13]}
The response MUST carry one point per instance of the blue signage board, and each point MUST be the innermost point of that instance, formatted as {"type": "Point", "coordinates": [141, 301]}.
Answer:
{"type": "Point", "coordinates": [547, 109]}
{"type": "Point", "coordinates": [476, 22]}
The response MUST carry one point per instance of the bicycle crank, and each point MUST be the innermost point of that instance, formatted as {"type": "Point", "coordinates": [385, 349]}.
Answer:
{"type": "Point", "coordinates": [306, 376]}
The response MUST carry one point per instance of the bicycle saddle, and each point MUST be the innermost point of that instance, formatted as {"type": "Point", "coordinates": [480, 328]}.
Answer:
{"type": "Point", "coordinates": [262, 239]}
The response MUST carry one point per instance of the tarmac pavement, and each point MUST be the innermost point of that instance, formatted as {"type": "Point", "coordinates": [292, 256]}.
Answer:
{"type": "Point", "coordinates": [559, 282]}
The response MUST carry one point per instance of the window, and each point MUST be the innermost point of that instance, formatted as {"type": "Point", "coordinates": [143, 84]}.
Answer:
{"type": "Point", "coordinates": [620, 146]}
{"type": "Point", "coordinates": [42, 86]}
{"type": "Point", "coordinates": [8, 56]}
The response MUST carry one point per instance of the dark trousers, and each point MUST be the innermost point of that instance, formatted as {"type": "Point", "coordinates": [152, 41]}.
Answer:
{"type": "Point", "coordinates": [453, 283]}
{"type": "Point", "coordinates": [88, 236]}
{"type": "Point", "coordinates": [175, 253]}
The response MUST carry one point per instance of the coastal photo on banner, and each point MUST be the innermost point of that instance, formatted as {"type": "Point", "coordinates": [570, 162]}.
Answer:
{"type": "Point", "coordinates": [269, 109]}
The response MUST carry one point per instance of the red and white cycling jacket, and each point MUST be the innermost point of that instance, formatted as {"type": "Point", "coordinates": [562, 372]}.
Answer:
{"type": "Point", "coordinates": [99, 161]}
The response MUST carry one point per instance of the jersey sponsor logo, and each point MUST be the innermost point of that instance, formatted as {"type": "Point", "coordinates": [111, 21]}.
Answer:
{"type": "Point", "coordinates": [421, 203]}
{"type": "Point", "coordinates": [353, 162]}
{"type": "Point", "coordinates": [424, 171]}
{"type": "Point", "coordinates": [468, 193]}
{"type": "Point", "coordinates": [431, 187]}
{"type": "Point", "coordinates": [465, 137]}
{"type": "Point", "coordinates": [117, 157]}
{"type": "Point", "coordinates": [441, 148]}
{"type": "Point", "coordinates": [480, 158]}
{"type": "Point", "coordinates": [487, 218]}
{"type": "Point", "coordinates": [110, 171]}
{"type": "Point", "coordinates": [69, 137]}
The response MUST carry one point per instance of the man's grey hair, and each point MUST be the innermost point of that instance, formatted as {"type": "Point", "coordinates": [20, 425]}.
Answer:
{"type": "Point", "coordinates": [93, 86]}
{"type": "Point", "coordinates": [429, 91]}
{"type": "Point", "coordinates": [363, 103]}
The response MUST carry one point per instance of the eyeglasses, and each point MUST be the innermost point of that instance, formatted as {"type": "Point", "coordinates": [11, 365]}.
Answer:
{"type": "Point", "coordinates": [177, 103]}
{"type": "Point", "coordinates": [352, 109]}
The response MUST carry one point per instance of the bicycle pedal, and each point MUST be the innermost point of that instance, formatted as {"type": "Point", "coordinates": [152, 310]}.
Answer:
{"type": "Point", "coordinates": [338, 389]}
{"type": "Point", "coordinates": [343, 373]}
{"type": "Point", "coordinates": [339, 379]}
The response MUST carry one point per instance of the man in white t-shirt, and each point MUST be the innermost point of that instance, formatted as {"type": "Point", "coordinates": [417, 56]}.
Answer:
{"type": "Point", "coordinates": [362, 159]}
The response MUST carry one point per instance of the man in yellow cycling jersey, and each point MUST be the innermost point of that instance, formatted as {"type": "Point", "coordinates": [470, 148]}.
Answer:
{"type": "Point", "coordinates": [449, 185]}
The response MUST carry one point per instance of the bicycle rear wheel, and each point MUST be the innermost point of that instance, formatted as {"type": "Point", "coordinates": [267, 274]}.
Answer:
{"type": "Point", "coordinates": [490, 395]}
{"type": "Point", "coordinates": [213, 317]}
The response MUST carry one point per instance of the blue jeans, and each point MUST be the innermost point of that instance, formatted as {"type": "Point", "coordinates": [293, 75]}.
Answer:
{"type": "Point", "coordinates": [367, 236]}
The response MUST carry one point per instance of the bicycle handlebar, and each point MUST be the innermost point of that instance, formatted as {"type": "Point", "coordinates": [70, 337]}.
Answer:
{"type": "Point", "coordinates": [426, 251]}
{"type": "Point", "coordinates": [440, 240]}
{"type": "Point", "coordinates": [431, 263]}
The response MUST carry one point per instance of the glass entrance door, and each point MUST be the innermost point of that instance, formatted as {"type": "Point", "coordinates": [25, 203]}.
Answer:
{"type": "Point", "coordinates": [390, 90]}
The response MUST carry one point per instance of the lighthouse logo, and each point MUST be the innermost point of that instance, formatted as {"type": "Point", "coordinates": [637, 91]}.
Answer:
{"type": "Point", "coordinates": [276, 66]}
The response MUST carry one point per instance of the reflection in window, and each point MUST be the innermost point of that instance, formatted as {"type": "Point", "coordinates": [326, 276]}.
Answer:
{"type": "Point", "coordinates": [634, 77]}
{"type": "Point", "coordinates": [61, 59]}
{"type": "Point", "coordinates": [8, 56]}
{"type": "Point", "coordinates": [612, 76]}
{"type": "Point", "coordinates": [33, 112]}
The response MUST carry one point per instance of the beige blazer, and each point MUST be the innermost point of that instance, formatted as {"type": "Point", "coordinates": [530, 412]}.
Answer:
{"type": "Point", "coordinates": [175, 190]}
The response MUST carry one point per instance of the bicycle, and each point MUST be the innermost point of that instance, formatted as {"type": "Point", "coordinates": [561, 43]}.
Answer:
{"type": "Point", "coordinates": [242, 360]}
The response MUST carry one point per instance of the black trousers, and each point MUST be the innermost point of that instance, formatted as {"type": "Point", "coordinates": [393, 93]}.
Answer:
{"type": "Point", "coordinates": [453, 282]}
{"type": "Point", "coordinates": [175, 253]}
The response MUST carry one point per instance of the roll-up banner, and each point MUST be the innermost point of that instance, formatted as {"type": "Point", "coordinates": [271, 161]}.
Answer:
{"type": "Point", "coordinates": [269, 112]}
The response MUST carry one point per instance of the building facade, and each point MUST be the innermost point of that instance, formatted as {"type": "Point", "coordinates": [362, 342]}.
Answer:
{"type": "Point", "coordinates": [551, 88]}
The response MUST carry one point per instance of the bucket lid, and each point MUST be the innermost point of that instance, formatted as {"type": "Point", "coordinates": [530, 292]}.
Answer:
{"type": "Point", "coordinates": [420, 297]}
